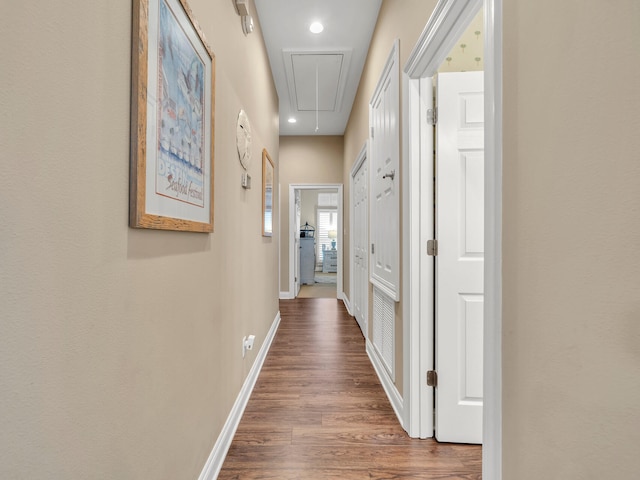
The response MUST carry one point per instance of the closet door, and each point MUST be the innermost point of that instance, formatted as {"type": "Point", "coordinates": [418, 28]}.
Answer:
{"type": "Point", "coordinates": [360, 235]}
{"type": "Point", "coordinates": [384, 120]}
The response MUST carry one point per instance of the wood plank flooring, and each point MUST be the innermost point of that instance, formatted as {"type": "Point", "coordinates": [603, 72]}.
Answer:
{"type": "Point", "coordinates": [318, 411]}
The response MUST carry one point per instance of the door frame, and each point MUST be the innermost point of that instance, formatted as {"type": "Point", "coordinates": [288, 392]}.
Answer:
{"type": "Point", "coordinates": [297, 204]}
{"type": "Point", "coordinates": [315, 186]}
{"type": "Point", "coordinates": [448, 21]}
{"type": "Point", "coordinates": [362, 157]}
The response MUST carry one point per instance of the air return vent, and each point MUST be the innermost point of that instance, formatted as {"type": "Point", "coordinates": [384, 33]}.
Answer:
{"type": "Point", "coordinates": [383, 329]}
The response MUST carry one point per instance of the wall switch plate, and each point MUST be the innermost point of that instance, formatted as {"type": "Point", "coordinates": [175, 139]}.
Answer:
{"type": "Point", "coordinates": [246, 181]}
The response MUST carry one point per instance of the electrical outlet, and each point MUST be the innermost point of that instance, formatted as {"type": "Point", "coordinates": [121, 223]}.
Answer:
{"type": "Point", "coordinates": [247, 344]}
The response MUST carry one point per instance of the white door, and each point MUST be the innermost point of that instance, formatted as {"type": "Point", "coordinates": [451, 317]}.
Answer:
{"type": "Point", "coordinates": [460, 259]}
{"type": "Point", "coordinates": [296, 246]}
{"type": "Point", "coordinates": [359, 232]}
{"type": "Point", "coordinates": [384, 120]}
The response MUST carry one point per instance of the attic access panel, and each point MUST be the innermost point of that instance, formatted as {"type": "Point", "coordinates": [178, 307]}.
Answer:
{"type": "Point", "coordinates": [328, 68]}
{"type": "Point", "coordinates": [331, 67]}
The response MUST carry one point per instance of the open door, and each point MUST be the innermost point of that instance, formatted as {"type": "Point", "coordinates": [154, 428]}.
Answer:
{"type": "Point", "coordinates": [460, 256]}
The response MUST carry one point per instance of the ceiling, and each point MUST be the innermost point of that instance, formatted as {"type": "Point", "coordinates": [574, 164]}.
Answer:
{"type": "Point", "coordinates": [316, 74]}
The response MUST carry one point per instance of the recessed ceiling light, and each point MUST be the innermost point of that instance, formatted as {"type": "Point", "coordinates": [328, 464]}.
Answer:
{"type": "Point", "coordinates": [292, 120]}
{"type": "Point", "coordinates": [316, 27]}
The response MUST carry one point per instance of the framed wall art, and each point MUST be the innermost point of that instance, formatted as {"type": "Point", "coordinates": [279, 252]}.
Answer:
{"type": "Point", "coordinates": [172, 119]}
{"type": "Point", "coordinates": [267, 194]}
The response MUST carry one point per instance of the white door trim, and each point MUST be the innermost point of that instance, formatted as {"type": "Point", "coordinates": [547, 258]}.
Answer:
{"type": "Point", "coordinates": [314, 186]}
{"type": "Point", "coordinates": [449, 20]}
{"type": "Point", "coordinates": [492, 420]}
{"type": "Point", "coordinates": [418, 221]}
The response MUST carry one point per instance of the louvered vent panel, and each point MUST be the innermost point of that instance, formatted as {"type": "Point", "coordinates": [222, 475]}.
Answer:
{"type": "Point", "coordinates": [377, 321]}
{"type": "Point", "coordinates": [383, 331]}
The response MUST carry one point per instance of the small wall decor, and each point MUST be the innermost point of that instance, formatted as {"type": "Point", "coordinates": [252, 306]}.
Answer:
{"type": "Point", "coordinates": [243, 139]}
{"type": "Point", "coordinates": [172, 119]}
{"type": "Point", "coordinates": [267, 194]}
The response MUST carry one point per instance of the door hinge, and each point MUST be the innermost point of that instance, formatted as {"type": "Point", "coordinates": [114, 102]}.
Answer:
{"type": "Point", "coordinates": [371, 132]}
{"type": "Point", "coordinates": [432, 378]}
{"type": "Point", "coordinates": [373, 249]}
{"type": "Point", "coordinates": [432, 248]}
{"type": "Point", "coordinates": [432, 116]}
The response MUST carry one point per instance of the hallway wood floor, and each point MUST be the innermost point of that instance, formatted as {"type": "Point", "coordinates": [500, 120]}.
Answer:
{"type": "Point", "coordinates": [318, 411]}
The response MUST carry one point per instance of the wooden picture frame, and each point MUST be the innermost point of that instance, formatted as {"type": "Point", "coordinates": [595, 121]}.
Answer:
{"type": "Point", "coordinates": [172, 119]}
{"type": "Point", "coordinates": [268, 171]}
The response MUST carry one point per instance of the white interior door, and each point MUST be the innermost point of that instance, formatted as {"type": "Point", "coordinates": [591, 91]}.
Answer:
{"type": "Point", "coordinates": [359, 231]}
{"type": "Point", "coordinates": [296, 240]}
{"type": "Point", "coordinates": [384, 141]}
{"type": "Point", "coordinates": [460, 260]}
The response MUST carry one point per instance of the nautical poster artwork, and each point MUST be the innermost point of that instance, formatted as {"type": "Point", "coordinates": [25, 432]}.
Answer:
{"type": "Point", "coordinates": [180, 162]}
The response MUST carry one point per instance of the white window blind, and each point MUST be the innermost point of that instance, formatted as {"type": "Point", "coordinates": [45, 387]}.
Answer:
{"type": "Point", "coordinates": [328, 200]}
{"type": "Point", "coordinates": [327, 222]}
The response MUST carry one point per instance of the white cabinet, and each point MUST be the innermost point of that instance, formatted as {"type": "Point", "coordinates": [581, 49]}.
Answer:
{"type": "Point", "coordinates": [307, 260]}
{"type": "Point", "coordinates": [329, 261]}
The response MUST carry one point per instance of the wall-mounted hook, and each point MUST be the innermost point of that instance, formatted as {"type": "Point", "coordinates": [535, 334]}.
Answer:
{"type": "Point", "coordinates": [390, 175]}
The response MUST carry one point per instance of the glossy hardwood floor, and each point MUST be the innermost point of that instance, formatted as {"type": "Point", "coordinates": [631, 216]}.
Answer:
{"type": "Point", "coordinates": [318, 411]}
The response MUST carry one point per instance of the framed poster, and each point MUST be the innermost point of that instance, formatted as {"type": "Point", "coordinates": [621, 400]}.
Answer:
{"type": "Point", "coordinates": [172, 119]}
{"type": "Point", "coordinates": [267, 194]}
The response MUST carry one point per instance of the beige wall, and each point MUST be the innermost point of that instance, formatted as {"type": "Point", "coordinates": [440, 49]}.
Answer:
{"type": "Point", "coordinates": [308, 206]}
{"type": "Point", "coordinates": [571, 313]}
{"type": "Point", "coordinates": [397, 19]}
{"type": "Point", "coordinates": [304, 159]}
{"type": "Point", "coordinates": [120, 352]}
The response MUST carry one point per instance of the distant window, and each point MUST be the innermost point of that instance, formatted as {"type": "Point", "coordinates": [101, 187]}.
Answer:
{"type": "Point", "coordinates": [327, 199]}
{"type": "Point", "coordinates": [327, 222]}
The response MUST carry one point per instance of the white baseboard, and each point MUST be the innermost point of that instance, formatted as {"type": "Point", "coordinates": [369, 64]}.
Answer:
{"type": "Point", "coordinates": [216, 458]}
{"type": "Point", "coordinates": [286, 296]}
{"type": "Point", "coordinates": [346, 302]}
{"type": "Point", "coordinates": [389, 388]}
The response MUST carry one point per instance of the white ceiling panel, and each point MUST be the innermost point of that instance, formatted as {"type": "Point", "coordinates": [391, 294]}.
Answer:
{"type": "Point", "coordinates": [316, 79]}
{"type": "Point", "coordinates": [332, 75]}
{"type": "Point", "coordinates": [348, 27]}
